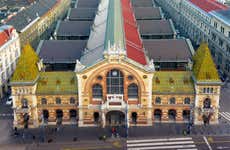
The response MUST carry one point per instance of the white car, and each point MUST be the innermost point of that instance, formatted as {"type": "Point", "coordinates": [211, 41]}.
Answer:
{"type": "Point", "coordinates": [9, 101]}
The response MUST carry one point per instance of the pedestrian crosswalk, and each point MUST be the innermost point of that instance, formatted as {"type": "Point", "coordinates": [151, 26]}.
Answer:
{"type": "Point", "coordinates": [183, 143]}
{"type": "Point", "coordinates": [6, 115]}
{"type": "Point", "coordinates": [225, 115]}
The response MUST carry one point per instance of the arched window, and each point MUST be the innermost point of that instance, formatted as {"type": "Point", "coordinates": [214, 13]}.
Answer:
{"type": "Point", "coordinates": [24, 103]}
{"type": "Point", "coordinates": [97, 91]}
{"type": "Point", "coordinates": [44, 101]}
{"type": "Point", "coordinates": [115, 82]}
{"type": "Point", "coordinates": [187, 100]}
{"type": "Point", "coordinates": [207, 103]}
{"type": "Point", "coordinates": [172, 100]}
{"type": "Point", "coordinates": [58, 100]}
{"type": "Point", "coordinates": [72, 100]}
{"type": "Point", "coordinates": [133, 91]}
{"type": "Point", "coordinates": [158, 100]}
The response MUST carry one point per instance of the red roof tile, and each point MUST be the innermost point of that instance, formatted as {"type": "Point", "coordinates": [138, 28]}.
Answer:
{"type": "Point", "coordinates": [134, 45]}
{"type": "Point", "coordinates": [209, 5]}
{"type": "Point", "coordinates": [5, 33]}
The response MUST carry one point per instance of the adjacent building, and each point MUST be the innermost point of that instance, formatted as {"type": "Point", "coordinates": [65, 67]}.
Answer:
{"type": "Point", "coordinates": [115, 77]}
{"type": "Point", "coordinates": [203, 20]}
{"type": "Point", "coordinates": [9, 53]}
{"type": "Point", "coordinates": [38, 20]}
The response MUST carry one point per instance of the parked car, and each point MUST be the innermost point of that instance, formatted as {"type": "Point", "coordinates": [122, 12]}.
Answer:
{"type": "Point", "coordinates": [9, 100]}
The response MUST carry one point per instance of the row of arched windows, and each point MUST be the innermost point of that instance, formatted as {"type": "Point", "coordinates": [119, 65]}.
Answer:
{"type": "Point", "coordinates": [114, 85]}
{"type": "Point", "coordinates": [172, 100]}
{"type": "Point", "coordinates": [58, 100]}
{"type": "Point", "coordinates": [98, 91]}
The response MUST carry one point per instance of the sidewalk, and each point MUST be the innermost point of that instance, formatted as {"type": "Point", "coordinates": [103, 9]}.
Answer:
{"type": "Point", "coordinates": [73, 133]}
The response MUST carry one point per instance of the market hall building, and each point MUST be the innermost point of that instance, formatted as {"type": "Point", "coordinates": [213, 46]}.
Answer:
{"type": "Point", "coordinates": [115, 77]}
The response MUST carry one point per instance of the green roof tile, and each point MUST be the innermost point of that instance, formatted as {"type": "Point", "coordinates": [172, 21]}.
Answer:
{"type": "Point", "coordinates": [57, 83]}
{"type": "Point", "coordinates": [173, 82]}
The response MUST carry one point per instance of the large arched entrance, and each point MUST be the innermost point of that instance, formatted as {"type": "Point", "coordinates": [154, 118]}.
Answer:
{"type": "Point", "coordinates": [73, 116]}
{"type": "Point", "coordinates": [45, 115]}
{"type": "Point", "coordinates": [59, 115]}
{"type": "Point", "coordinates": [115, 118]}
{"type": "Point", "coordinates": [157, 115]}
{"type": "Point", "coordinates": [172, 115]}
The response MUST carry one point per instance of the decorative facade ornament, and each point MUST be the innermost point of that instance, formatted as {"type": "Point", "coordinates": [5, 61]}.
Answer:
{"type": "Point", "coordinates": [78, 66]}
{"type": "Point", "coordinates": [40, 65]}
{"type": "Point", "coordinates": [150, 66]}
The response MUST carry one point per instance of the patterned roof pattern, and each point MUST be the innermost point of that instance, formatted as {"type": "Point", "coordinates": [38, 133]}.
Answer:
{"type": "Point", "coordinates": [209, 5]}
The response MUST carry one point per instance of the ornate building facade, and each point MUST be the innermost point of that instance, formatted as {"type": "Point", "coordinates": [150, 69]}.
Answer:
{"type": "Point", "coordinates": [115, 82]}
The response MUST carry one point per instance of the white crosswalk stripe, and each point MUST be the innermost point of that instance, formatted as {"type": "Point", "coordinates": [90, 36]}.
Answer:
{"type": "Point", "coordinates": [183, 143]}
{"type": "Point", "coordinates": [225, 115]}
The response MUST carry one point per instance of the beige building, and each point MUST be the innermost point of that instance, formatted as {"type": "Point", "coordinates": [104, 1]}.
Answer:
{"type": "Point", "coordinates": [114, 82]}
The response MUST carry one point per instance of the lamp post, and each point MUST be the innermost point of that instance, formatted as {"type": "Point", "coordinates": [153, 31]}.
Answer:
{"type": "Point", "coordinates": [127, 120]}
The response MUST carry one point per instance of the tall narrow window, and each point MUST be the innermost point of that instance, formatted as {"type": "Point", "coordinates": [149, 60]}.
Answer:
{"type": "Point", "coordinates": [97, 91]}
{"type": "Point", "coordinates": [133, 91]}
{"type": "Point", "coordinates": [24, 103]}
{"type": "Point", "coordinates": [115, 82]}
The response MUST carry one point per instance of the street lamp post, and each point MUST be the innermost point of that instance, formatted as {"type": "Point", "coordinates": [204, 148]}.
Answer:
{"type": "Point", "coordinates": [127, 121]}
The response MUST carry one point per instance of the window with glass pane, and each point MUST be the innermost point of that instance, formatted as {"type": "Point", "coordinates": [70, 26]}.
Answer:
{"type": "Point", "coordinates": [133, 91]}
{"type": "Point", "coordinates": [24, 103]}
{"type": "Point", "coordinates": [187, 100]}
{"type": "Point", "coordinates": [72, 100]}
{"type": "Point", "coordinates": [172, 100]}
{"type": "Point", "coordinates": [158, 100]}
{"type": "Point", "coordinates": [44, 101]}
{"type": "Point", "coordinates": [58, 100]}
{"type": "Point", "coordinates": [97, 91]}
{"type": "Point", "coordinates": [115, 82]}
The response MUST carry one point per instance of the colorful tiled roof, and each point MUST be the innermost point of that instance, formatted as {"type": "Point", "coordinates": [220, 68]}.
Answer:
{"type": "Point", "coordinates": [5, 34]}
{"type": "Point", "coordinates": [209, 5]}
{"type": "Point", "coordinates": [134, 45]}
{"type": "Point", "coordinates": [165, 82]}
{"type": "Point", "coordinates": [57, 83]}
{"type": "Point", "coordinates": [26, 69]}
{"type": "Point", "coordinates": [204, 68]}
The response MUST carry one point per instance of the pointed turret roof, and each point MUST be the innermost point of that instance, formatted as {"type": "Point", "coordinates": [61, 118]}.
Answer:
{"type": "Point", "coordinates": [26, 69]}
{"type": "Point", "coordinates": [204, 68]}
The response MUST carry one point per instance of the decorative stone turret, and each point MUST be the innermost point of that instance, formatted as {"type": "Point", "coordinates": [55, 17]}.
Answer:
{"type": "Point", "coordinates": [207, 87]}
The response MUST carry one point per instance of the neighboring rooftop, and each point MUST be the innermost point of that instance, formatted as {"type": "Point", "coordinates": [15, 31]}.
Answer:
{"type": "Point", "coordinates": [82, 14]}
{"type": "Point", "coordinates": [142, 3]}
{"type": "Point", "coordinates": [179, 82]}
{"type": "Point", "coordinates": [61, 51]}
{"type": "Point", "coordinates": [5, 34]}
{"type": "Point", "coordinates": [26, 68]}
{"type": "Point", "coordinates": [209, 5]}
{"type": "Point", "coordinates": [223, 15]}
{"type": "Point", "coordinates": [28, 15]}
{"type": "Point", "coordinates": [57, 83]}
{"type": "Point", "coordinates": [155, 27]}
{"type": "Point", "coordinates": [147, 13]}
{"type": "Point", "coordinates": [204, 68]}
{"type": "Point", "coordinates": [87, 3]}
{"type": "Point", "coordinates": [162, 50]}
{"type": "Point", "coordinates": [74, 28]}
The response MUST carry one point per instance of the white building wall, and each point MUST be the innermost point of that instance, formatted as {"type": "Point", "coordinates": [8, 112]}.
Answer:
{"type": "Point", "coordinates": [9, 53]}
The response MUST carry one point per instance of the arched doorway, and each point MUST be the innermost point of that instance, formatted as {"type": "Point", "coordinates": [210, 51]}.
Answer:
{"type": "Point", "coordinates": [26, 118]}
{"type": "Point", "coordinates": [186, 115]}
{"type": "Point", "coordinates": [45, 115]}
{"type": "Point", "coordinates": [172, 115]}
{"type": "Point", "coordinates": [207, 103]}
{"type": "Point", "coordinates": [157, 115]}
{"type": "Point", "coordinates": [96, 117]}
{"type": "Point", "coordinates": [73, 116]}
{"type": "Point", "coordinates": [59, 115]}
{"type": "Point", "coordinates": [134, 117]}
{"type": "Point", "coordinates": [115, 118]}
